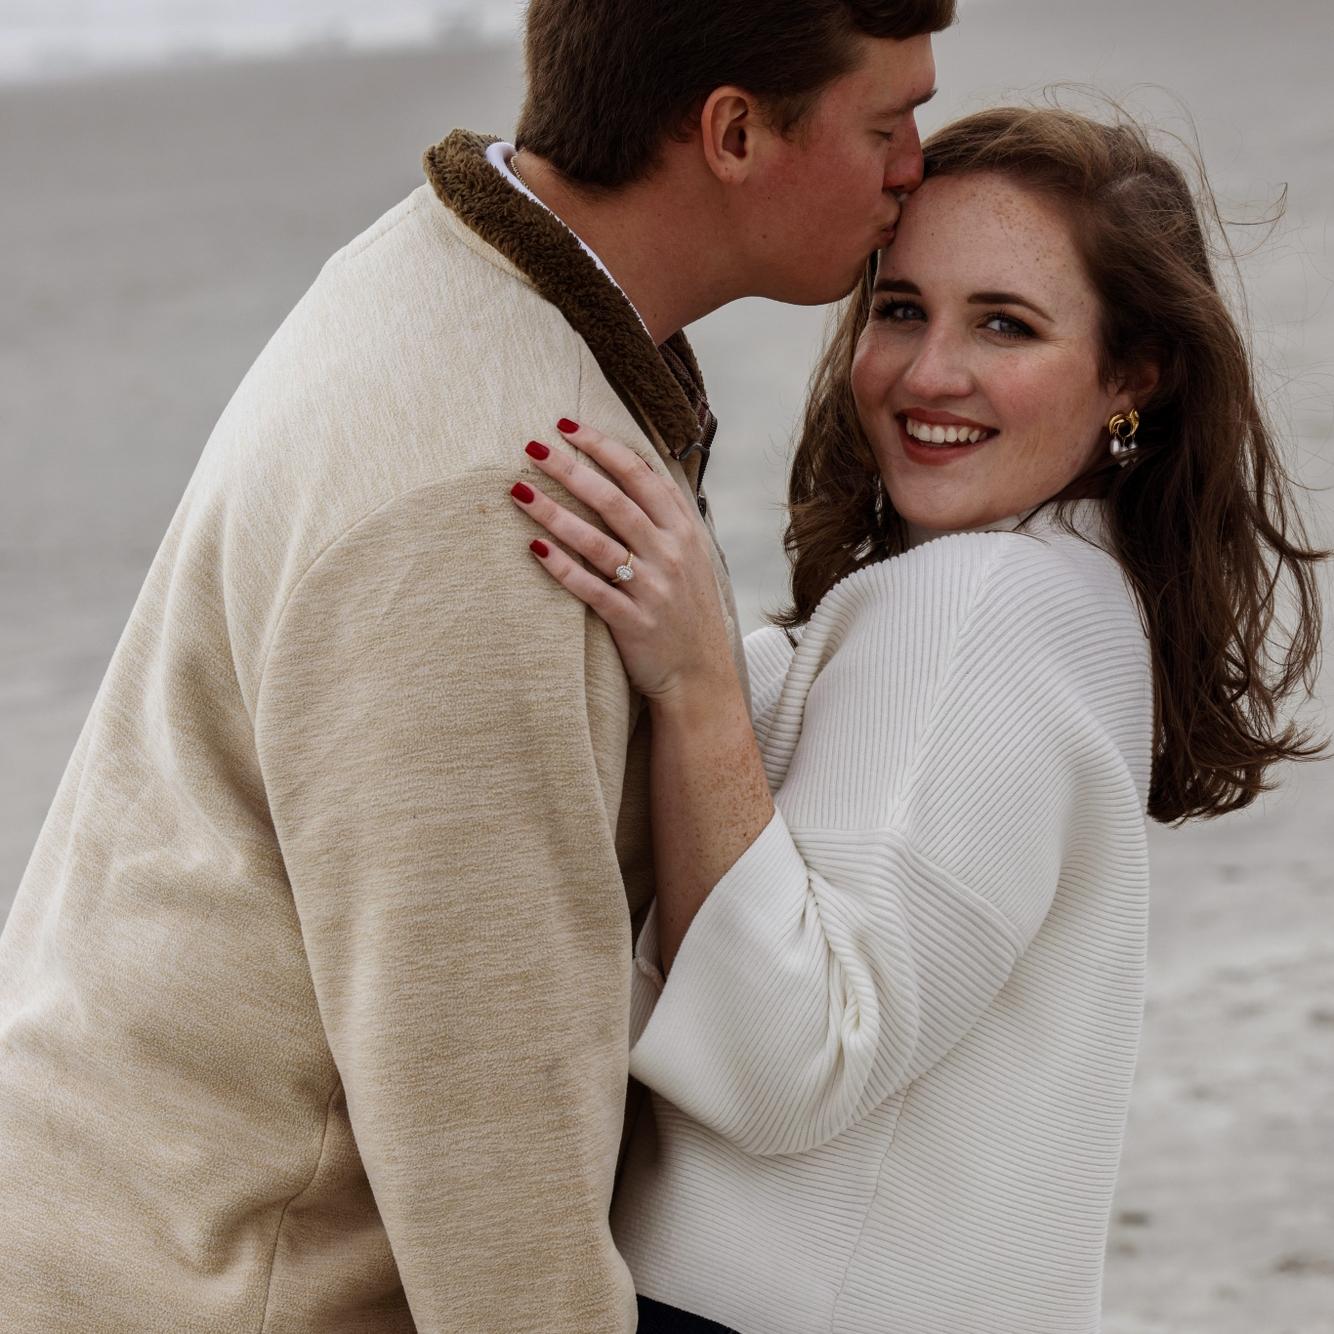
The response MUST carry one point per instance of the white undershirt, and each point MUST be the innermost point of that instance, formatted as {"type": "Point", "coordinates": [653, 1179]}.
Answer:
{"type": "Point", "coordinates": [499, 155]}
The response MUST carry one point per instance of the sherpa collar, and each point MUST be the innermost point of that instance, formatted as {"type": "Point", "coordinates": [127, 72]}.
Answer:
{"type": "Point", "coordinates": [540, 246]}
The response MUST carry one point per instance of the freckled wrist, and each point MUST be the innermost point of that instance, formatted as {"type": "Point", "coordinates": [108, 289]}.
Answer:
{"type": "Point", "coordinates": [700, 700]}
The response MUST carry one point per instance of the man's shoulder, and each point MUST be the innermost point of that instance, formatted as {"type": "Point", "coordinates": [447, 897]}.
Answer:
{"type": "Point", "coordinates": [404, 356]}
{"type": "Point", "coordinates": [410, 362]}
{"type": "Point", "coordinates": [420, 229]}
{"type": "Point", "coordinates": [421, 264]}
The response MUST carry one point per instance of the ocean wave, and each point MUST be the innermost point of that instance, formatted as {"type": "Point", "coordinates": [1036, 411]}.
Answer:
{"type": "Point", "coordinates": [51, 39]}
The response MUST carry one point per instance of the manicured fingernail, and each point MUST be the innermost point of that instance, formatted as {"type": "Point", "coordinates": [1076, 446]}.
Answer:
{"type": "Point", "coordinates": [566, 427]}
{"type": "Point", "coordinates": [521, 492]}
{"type": "Point", "coordinates": [536, 449]}
{"type": "Point", "coordinates": [540, 548]}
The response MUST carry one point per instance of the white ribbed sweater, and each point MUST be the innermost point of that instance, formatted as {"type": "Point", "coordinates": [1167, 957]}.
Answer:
{"type": "Point", "coordinates": [892, 1062]}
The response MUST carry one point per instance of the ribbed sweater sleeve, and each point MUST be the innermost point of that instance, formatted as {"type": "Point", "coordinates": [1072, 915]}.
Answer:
{"type": "Point", "coordinates": [940, 726]}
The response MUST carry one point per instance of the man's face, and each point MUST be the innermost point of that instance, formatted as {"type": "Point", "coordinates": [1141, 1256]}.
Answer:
{"type": "Point", "coordinates": [827, 196]}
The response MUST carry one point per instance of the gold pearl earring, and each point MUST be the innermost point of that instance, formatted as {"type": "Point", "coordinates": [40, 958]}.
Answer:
{"type": "Point", "coordinates": [1124, 428]}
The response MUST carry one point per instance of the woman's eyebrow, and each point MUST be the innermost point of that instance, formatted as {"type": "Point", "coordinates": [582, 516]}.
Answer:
{"type": "Point", "coordinates": [893, 284]}
{"type": "Point", "coordinates": [1006, 299]}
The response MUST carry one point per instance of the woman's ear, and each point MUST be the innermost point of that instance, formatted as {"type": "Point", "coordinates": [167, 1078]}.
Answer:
{"type": "Point", "coordinates": [1135, 388]}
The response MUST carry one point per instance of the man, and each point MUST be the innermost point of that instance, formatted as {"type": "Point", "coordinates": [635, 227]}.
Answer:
{"type": "Point", "coordinates": [314, 999]}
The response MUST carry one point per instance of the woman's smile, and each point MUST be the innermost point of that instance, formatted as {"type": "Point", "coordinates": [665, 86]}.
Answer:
{"type": "Point", "coordinates": [937, 438]}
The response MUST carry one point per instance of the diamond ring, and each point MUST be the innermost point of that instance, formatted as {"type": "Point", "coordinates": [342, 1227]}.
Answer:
{"type": "Point", "coordinates": [624, 573]}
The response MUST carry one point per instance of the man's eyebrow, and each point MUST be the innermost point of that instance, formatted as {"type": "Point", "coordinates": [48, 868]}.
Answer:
{"type": "Point", "coordinates": [889, 283]}
{"type": "Point", "coordinates": [903, 108]}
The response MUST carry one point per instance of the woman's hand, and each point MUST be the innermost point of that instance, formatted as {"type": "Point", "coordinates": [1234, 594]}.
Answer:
{"type": "Point", "coordinates": [667, 619]}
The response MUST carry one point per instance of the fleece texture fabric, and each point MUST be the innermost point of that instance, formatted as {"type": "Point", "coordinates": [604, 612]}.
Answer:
{"type": "Point", "coordinates": [314, 998]}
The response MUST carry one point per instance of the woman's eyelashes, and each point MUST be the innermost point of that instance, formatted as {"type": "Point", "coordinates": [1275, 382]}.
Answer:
{"type": "Point", "coordinates": [1009, 326]}
{"type": "Point", "coordinates": [898, 312]}
{"type": "Point", "coordinates": [910, 312]}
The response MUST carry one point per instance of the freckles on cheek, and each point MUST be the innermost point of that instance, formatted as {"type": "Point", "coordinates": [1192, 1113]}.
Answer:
{"type": "Point", "coordinates": [858, 371]}
{"type": "Point", "coordinates": [867, 378]}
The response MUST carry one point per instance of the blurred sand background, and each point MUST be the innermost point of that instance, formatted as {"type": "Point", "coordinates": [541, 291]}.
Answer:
{"type": "Point", "coordinates": [156, 226]}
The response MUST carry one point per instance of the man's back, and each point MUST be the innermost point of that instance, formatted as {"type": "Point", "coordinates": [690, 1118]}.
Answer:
{"type": "Point", "coordinates": [321, 963]}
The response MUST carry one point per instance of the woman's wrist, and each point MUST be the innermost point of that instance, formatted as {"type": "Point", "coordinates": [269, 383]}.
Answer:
{"type": "Point", "coordinates": [709, 795]}
{"type": "Point", "coordinates": [700, 700]}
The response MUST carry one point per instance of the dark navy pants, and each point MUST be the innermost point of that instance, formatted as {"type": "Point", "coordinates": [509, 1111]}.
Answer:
{"type": "Point", "coordinates": [655, 1318]}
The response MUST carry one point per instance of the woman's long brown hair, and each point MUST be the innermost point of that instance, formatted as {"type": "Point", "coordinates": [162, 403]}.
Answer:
{"type": "Point", "coordinates": [1204, 522]}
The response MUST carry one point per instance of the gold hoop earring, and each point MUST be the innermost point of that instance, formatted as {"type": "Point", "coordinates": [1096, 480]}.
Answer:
{"type": "Point", "coordinates": [1124, 428]}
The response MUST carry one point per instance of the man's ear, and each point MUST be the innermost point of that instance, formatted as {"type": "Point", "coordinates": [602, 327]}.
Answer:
{"type": "Point", "coordinates": [729, 123]}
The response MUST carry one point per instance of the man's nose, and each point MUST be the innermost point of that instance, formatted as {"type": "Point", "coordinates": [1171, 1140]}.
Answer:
{"type": "Point", "coordinates": [903, 173]}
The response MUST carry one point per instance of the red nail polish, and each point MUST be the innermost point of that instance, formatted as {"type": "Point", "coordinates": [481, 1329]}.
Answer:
{"type": "Point", "coordinates": [521, 492]}
{"type": "Point", "coordinates": [566, 427]}
{"type": "Point", "coordinates": [540, 547]}
{"type": "Point", "coordinates": [536, 449]}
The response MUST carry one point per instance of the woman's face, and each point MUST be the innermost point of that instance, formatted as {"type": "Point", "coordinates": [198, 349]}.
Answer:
{"type": "Point", "coordinates": [984, 328]}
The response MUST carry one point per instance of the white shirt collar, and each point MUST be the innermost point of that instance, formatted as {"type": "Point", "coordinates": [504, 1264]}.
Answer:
{"type": "Point", "coordinates": [499, 155]}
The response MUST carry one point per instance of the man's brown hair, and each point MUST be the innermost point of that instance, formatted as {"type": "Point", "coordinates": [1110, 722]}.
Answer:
{"type": "Point", "coordinates": [609, 81]}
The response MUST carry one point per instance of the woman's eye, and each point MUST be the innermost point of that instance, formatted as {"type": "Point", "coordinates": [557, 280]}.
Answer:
{"type": "Point", "coordinates": [1007, 326]}
{"type": "Point", "coordinates": [899, 312]}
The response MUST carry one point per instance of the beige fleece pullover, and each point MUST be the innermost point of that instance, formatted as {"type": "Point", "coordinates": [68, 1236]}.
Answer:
{"type": "Point", "coordinates": [314, 998]}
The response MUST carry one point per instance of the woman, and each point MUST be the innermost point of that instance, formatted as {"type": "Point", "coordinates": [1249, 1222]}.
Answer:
{"type": "Point", "coordinates": [1037, 530]}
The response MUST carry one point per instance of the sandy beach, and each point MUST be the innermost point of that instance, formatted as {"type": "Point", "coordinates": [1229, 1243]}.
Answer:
{"type": "Point", "coordinates": [154, 230]}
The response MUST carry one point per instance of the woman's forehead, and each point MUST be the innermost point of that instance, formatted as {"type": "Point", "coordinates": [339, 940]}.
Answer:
{"type": "Point", "coordinates": [986, 231]}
